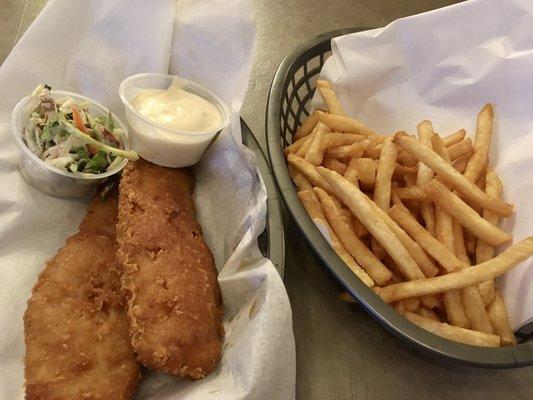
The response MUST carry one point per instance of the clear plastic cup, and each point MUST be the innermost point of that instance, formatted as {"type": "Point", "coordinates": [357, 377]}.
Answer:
{"type": "Point", "coordinates": [46, 178]}
{"type": "Point", "coordinates": [158, 143]}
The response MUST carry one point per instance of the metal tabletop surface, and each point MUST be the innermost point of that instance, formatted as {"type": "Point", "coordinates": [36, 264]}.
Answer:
{"type": "Point", "coordinates": [342, 353]}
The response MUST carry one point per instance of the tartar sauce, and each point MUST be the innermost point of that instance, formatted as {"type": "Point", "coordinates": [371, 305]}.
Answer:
{"type": "Point", "coordinates": [177, 108]}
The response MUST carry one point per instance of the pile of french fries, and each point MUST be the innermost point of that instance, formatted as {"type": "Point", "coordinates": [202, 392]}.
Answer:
{"type": "Point", "coordinates": [415, 218]}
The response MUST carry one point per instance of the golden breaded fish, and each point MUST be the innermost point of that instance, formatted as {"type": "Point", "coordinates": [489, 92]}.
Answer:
{"type": "Point", "coordinates": [75, 326]}
{"type": "Point", "coordinates": [168, 273]}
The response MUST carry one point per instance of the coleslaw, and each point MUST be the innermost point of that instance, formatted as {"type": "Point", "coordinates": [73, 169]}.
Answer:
{"type": "Point", "coordinates": [65, 135]}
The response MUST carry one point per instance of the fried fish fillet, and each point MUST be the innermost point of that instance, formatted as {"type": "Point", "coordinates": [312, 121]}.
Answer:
{"type": "Point", "coordinates": [168, 273]}
{"type": "Point", "coordinates": [75, 326]}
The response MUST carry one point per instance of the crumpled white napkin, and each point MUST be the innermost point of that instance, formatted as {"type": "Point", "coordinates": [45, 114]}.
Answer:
{"type": "Point", "coordinates": [89, 47]}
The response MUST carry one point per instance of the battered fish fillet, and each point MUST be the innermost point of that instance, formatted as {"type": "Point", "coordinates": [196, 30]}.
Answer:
{"type": "Point", "coordinates": [168, 273]}
{"type": "Point", "coordinates": [76, 329]}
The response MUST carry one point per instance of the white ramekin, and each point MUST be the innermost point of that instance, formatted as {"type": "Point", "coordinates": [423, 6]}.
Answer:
{"type": "Point", "coordinates": [158, 143]}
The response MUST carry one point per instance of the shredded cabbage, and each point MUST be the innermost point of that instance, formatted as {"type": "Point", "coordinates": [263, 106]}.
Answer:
{"type": "Point", "coordinates": [65, 135]}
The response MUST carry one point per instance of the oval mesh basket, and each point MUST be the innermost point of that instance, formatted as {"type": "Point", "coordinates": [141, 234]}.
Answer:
{"type": "Point", "coordinates": [289, 101]}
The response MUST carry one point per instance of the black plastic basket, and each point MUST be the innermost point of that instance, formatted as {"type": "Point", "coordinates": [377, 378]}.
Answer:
{"type": "Point", "coordinates": [271, 242]}
{"type": "Point", "coordinates": [289, 101]}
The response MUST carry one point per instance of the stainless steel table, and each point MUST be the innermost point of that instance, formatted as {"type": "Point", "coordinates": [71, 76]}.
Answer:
{"type": "Point", "coordinates": [341, 352]}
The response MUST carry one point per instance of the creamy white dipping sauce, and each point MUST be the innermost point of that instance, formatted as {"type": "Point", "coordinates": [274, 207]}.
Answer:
{"type": "Point", "coordinates": [176, 108]}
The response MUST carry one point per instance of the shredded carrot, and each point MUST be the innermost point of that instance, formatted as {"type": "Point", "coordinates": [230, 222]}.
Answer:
{"type": "Point", "coordinates": [92, 149]}
{"type": "Point", "coordinates": [78, 121]}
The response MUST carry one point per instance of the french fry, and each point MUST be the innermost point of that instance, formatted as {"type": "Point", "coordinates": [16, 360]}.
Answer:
{"type": "Point", "coordinates": [440, 148]}
{"type": "Point", "coordinates": [359, 229]}
{"type": "Point", "coordinates": [468, 189]}
{"type": "Point", "coordinates": [470, 243]}
{"type": "Point", "coordinates": [398, 201]}
{"type": "Point", "coordinates": [412, 207]}
{"type": "Point", "coordinates": [444, 228]}
{"type": "Point", "coordinates": [463, 278]}
{"type": "Point", "coordinates": [461, 149]}
{"type": "Point", "coordinates": [335, 165]}
{"type": "Point", "coordinates": [481, 181]}
{"type": "Point", "coordinates": [443, 220]}
{"type": "Point", "coordinates": [367, 240]}
{"type": "Point", "coordinates": [473, 304]}
{"type": "Point", "coordinates": [427, 241]}
{"type": "Point", "coordinates": [318, 144]}
{"type": "Point", "coordinates": [330, 98]}
{"type": "Point", "coordinates": [407, 159]}
{"type": "Point", "coordinates": [395, 278]}
{"type": "Point", "coordinates": [373, 151]}
{"type": "Point", "coordinates": [313, 208]}
{"type": "Point", "coordinates": [309, 171]}
{"type": "Point", "coordinates": [377, 249]}
{"type": "Point", "coordinates": [440, 310]}
{"type": "Point", "coordinates": [475, 310]}
{"type": "Point", "coordinates": [500, 320]}
{"type": "Point", "coordinates": [411, 304]}
{"type": "Point", "coordinates": [471, 240]}
{"type": "Point", "coordinates": [484, 251]}
{"type": "Point", "coordinates": [307, 126]}
{"type": "Point", "coordinates": [425, 174]}
{"type": "Point", "coordinates": [429, 301]}
{"type": "Point", "coordinates": [294, 146]}
{"type": "Point", "coordinates": [339, 123]}
{"type": "Point", "coordinates": [409, 193]}
{"type": "Point", "coordinates": [345, 212]}
{"type": "Point", "coordinates": [302, 151]}
{"type": "Point", "coordinates": [455, 137]}
{"type": "Point", "coordinates": [399, 307]}
{"type": "Point", "coordinates": [454, 333]}
{"type": "Point", "coordinates": [417, 253]}
{"type": "Point", "coordinates": [453, 302]}
{"type": "Point", "coordinates": [391, 265]}
{"type": "Point", "coordinates": [459, 243]}
{"type": "Point", "coordinates": [461, 211]}
{"type": "Point", "coordinates": [386, 166]}
{"type": "Point", "coordinates": [385, 249]}
{"type": "Point", "coordinates": [455, 310]}
{"type": "Point", "coordinates": [351, 172]}
{"type": "Point", "coordinates": [460, 164]}
{"type": "Point", "coordinates": [477, 162]}
{"type": "Point", "coordinates": [347, 298]}
{"type": "Point", "coordinates": [430, 314]}
{"type": "Point", "coordinates": [401, 170]}
{"type": "Point", "coordinates": [300, 181]}
{"type": "Point", "coordinates": [352, 150]}
{"type": "Point", "coordinates": [360, 205]}
{"type": "Point", "coordinates": [362, 255]}
{"type": "Point", "coordinates": [366, 172]}
{"type": "Point", "coordinates": [336, 139]}
{"type": "Point", "coordinates": [428, 214]}
{"type": "Point", "coordinates": [410, 179]}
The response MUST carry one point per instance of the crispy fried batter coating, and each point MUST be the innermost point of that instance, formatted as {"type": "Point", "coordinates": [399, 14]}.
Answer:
{"type": "Point", "coordinates": [168, 273]}
{"type": "Point", "coordinates": [76, 330]}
